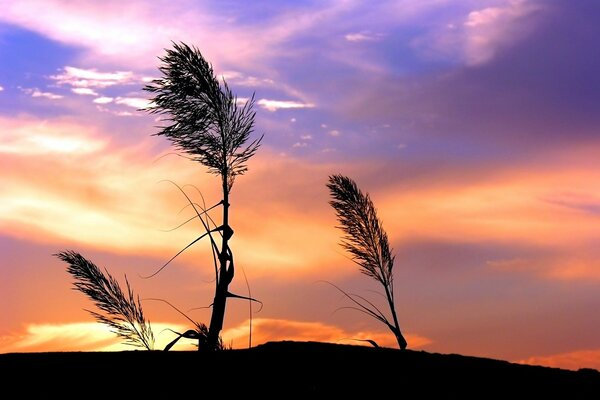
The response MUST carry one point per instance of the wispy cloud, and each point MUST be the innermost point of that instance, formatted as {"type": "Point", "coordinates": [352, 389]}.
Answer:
{"type": "Point", "coordinates": [134, 102]}
{"type": "Point", "coordinates": [91, 78]}
{"type": "Point", "coordinates": [40, 137]}
{"type": "Point", "coordinates": [84, 91]}
{"type": "Point", "coordinates": [35, 92]}
{"type": "Point", "coordinates": [274, 105]}
{"type": "Point", "coordinates": [241, 79]}
{"type": "Point", "coordinates": [476, 37]}
{"type": "Point", "coordinates": [103, 100]}
{"type": "Point", "coordinates": [489, 28]}
{"type": "Point", "coordinates": [364, 36]}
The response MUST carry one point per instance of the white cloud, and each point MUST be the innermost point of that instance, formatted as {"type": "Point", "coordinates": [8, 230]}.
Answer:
{"type": "Point", "coordinates": [334, 133]}
{"type": "Point", "coordinates": [306, 137]}
{"type": "Point", "coordinates": [91, 78]}
{"type": "Point", "coordinates": [240, 101]}
{"type": "Point", "coordinates": [364, 36]}
{"type": "Point", "coordinates": [103, 100]}
{"type": "Point", "coordinates": [134, 102]}
{"type": "Point", "coordinates": [35, 92]}
{"type": "Point", "coordinates": [299, 145]}
{"type": "Point", "coordinates": [274, 105]}
{"type": "Point", "coordinates": [84, 91]}
{"type": "Point", "coordinates": [293, 120]}
{"type": "Point", "coordinates": [118, 113]}
{"type": "Point", "coordinates": [1, 88]}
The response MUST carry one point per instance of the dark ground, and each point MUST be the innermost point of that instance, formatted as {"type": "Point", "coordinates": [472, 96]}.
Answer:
{"type": "Point", "coordinates": [287, 370]}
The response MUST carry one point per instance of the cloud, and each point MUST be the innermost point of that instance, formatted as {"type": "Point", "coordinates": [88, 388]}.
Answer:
{"type": "Point", "coordinates": [33, 137]}
{"type": "Point", "coordinates": [306, 137]}
{"type": "Point", "coordinates": [1, 88]}
{"type": "Point", "coordinates": [106, 195]}
{"type": "Point", "coordinates": [35, 92]}
{"type": "Point", "coordinates": [364, 36]}
{"type": "Point", "coordinates": [572, 360]}
{"type": "Point", "coordinates": [334, 133]}
{"type": "Point", "coordinates": [149, 28]}
{"type": "Point", "coordinates": [76, 336]}
{"type": "Point", "coordinates": [91, 78]}
{"type": "Point", "coordinates": [475, 38]}
{"type": "Point", "coordinates": [485, 107]}
{"type": "Point", "coordinates": [134, 102]}
{"type": "Point", "coordinates": [274, 105]}
{"type": "Point", "coordinates": [92, 336]}
{"type": "Point", "coordinates": [489, 28]}
{"type": "Point", "coordinates": [299, 145]}
{"type": "Point", "coordinates": [84, 91]}
{"type": "Point", "coordinates": [241, 79]}
{"type": "Point", "coordinates": [268, 329]}
{"type": "Point", "coordinates": [84, 198]}
{"type": "Point", "coordinates": [103, 100]}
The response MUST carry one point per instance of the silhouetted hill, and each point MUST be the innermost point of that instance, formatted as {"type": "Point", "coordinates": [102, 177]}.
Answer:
{"type": "Point", "coordinates": [289, 369]}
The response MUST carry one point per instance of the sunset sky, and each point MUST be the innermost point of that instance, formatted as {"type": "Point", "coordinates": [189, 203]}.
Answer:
{"type": "Point", "coordinates": [473, 124]}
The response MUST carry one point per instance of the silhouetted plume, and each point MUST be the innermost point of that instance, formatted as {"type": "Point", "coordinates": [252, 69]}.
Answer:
{"type": "Point", "coordinates": [366, 240]}
{"type": "Point", "coordinates": [121, 312]}
{"type": "Point", "coordinates": [204, 119]}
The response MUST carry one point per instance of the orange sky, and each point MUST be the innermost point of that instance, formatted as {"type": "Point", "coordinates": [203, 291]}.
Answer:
{"type": "Point", "coordinates": [493, 211]}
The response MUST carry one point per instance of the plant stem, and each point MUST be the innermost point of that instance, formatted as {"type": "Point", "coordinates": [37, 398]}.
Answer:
{"type": "Point", "coordinates": [399, 337]}
{"type": "Point", "coordinates": [224, 279]}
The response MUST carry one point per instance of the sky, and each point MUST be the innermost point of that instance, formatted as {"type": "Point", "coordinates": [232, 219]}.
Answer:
{"type": "Point", "coordinates": [473, 125]}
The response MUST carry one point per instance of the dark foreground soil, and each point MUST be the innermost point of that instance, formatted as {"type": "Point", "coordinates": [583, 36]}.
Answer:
{"type": "Point", "coordinates": [286, 370]}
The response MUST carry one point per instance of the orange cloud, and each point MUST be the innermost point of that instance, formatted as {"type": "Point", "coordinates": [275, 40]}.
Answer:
{"type": "Point", "coordinates": [91, 336]}
{"type": "Point", "coordinates": [267, 329]}
{"type": "Point", "coordinates": [111, 198]}
{"type": "Point", "coordinates": [108, 197]}
{"type": "Point", "coordinates": [39, 137]}
{"type": "Point", "coordinates": [78, 336]}
{"type": "Point", "coordinates": [96, 194]}
{"type": "Point", "coordinates": [510, 208]}
{"type": "Point", "coordinates": [553, 209]}
{"type": "Point", "coordinates": [573, 360]}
